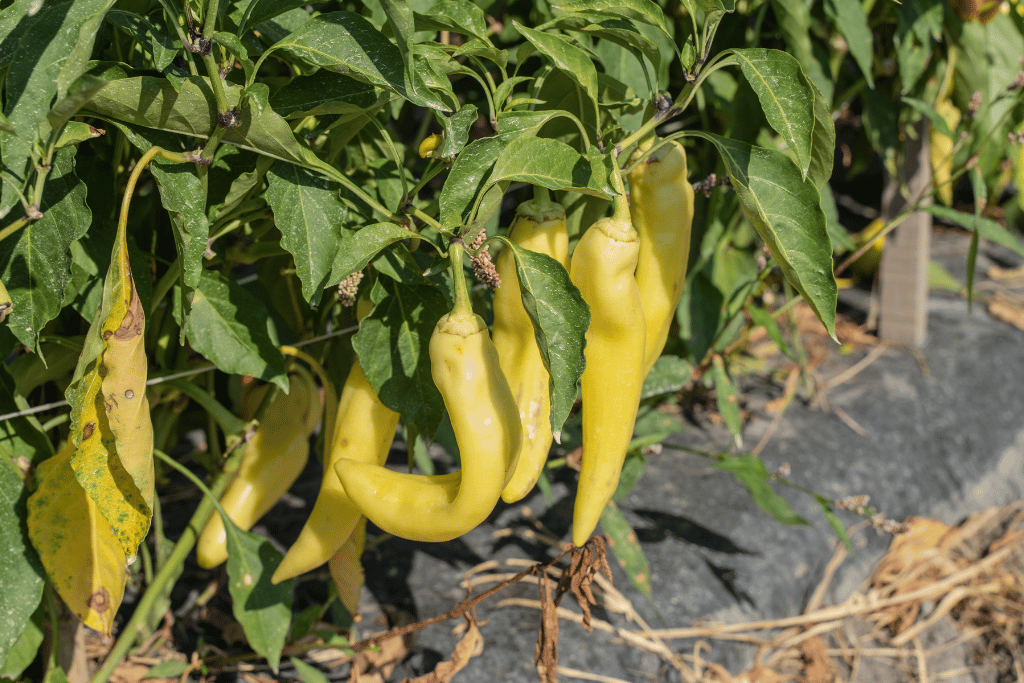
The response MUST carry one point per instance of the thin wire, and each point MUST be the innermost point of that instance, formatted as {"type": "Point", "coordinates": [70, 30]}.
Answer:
{"type": "Point", "coordinates": [176, 375]}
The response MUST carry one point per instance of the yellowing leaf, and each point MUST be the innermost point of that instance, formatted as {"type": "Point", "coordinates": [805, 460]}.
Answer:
{"type": "Point", "coordinates": [111, 429]}
{"type": "Point", "coordinates": [347, 568]}
{"type": "Point", "coordinates": [84, 560]}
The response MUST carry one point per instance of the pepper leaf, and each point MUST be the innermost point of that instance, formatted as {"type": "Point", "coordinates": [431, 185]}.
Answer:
{"type": "Point", "coordinates": [21, 575]}
{"type": "Point", "coordinates": [229, 326]}
{"type": "Point", "coordinates": [786, 212]}
{"type": "Point", "coordinates": [786, 97]}
{"type": "Point", "coordinates": [749, 470]}
{"type": "Point", "coordinates": [626, 548]}
{"type": "Point", "coordinates": [560, 320]}
{"type": "Point", "coordinates": [551, 164]}
{"type": "Point", "coordinates": [393, 347]}
{"type": "Point", "coordinates": [263, 608]}
{"type": "Point", "coordinates": [309, 212]}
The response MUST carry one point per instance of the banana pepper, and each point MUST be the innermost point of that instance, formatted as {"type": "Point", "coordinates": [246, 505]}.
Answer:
{"type": "Point", "coordinates": [602, 267]}
{"type": "Point", "coordinates": [465, 368]}
{"type": "Point", "coordinates": [272, 462]}
{"type": "Point", "coordinates": [661, 207]}
{"type": "Point", "coordinates": [539, 226]}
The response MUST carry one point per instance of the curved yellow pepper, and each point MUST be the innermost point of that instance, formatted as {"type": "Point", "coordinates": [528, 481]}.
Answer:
{"type": "Point", "coordinates": [661, 206]}
{"type": "Point", "coordinates": [602, 267]}
{"type": "Point", "coordinates": [272, 462]}
{"type": "Point", "coordinates": [363, 432]}
{"type": "Point", "coordinates": [539, 227]}
{"type": "Point", "coordinates": [464, 366]}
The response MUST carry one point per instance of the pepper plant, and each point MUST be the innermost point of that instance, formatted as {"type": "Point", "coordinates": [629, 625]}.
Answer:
{"type": "Point", "coordinates": [196, 193]}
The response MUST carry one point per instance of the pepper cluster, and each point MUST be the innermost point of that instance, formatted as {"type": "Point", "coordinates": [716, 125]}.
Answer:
{"type": "Point", "coordinates": [630, 269]}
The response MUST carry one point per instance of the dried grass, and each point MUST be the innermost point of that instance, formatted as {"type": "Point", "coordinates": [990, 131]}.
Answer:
{"type": "Point", "coordinates": [972, 573]}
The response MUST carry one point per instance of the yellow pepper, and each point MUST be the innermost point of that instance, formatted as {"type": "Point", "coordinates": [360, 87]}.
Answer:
{"type": "Point", "coordinates": [272, 462]}
{"type": "Point", "coordinates": [363, 432]}
{"type": "Point", "coordinates": [661, 201]}
{"type": "Point", "coordinates": [539, 226]}
{"type": "Point", "coordinates": [602, 267]}
{"type": "Point", "coordinates": [464, 365]}
{"type": "Point", "coordinates": [6, 305]}
{"type": "Point", "coordinates": [430, 145]}
{"type": "Point", "coordinates": [940, 149]}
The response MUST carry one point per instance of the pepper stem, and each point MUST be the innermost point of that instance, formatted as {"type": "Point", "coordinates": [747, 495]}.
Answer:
{"type": "Point", "coordinates": [463, 307]}
{"type": "Point", "coordinates": [541, 197]}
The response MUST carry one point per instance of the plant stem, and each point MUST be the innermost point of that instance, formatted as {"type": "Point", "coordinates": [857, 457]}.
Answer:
{"type": "Point", "coordinates": [213, 70]}
{"type": "Point", "coordinates": [15, 227]}
{"type": "Point", "coordinates": [463, 306]}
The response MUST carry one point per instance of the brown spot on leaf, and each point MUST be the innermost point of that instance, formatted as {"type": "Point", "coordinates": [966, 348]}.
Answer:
{"type": "Point", "coordinates": [88, 430]}
{"type": "Point", "coordinates": [99, 602]}
{"type": "Point", "coordinates": [134, 319]}
{"type": "Point", "coordinates": [129, 394]}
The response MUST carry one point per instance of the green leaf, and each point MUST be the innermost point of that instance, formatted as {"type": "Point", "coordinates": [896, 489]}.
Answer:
{"type": "Point", "coordinates": [22, 437]}
{"type": "Point", "coordinates": [626, 548]}
{"type": "Point", "coordinates": [154, 39]}
{"type": "Point", "coordinates": [456, 130]}
{"type": "Point", "coordinates": [786, 97]}
{"type": "Point", "coordinates": [837, 527]}
{"type": "Point", "coordinates": [75, 132]}
{"type": "Point", "coordinates": [852, 23]}
{"type": "Point", "coordinates": [393, 347]}
{"type": "Point", "coordinates": [466, 180]}
{"type": "Point", "coordinates": [645, 11]}
{"type": "Point", "coordinates": [794, 21]}
{"type": "Point", "coordinates": [918, 29]}
{"type": "Point", "coordinates": [347, 43]}
{"type": "Point", "coordinates": [229, 327]}
{"type": "Point", "coordinates": [21, 576]}
{"type": "Point", "coordinates": [514, 124]}
{"type": "Point", "coordinates": [21, 655]}
{"type": "Point", "coordinates": [35, 261]}
{"type": "Point", "coordinates": [307, 672]}
{"type": "Point", "coordinates": [359, 247]}
{"type": "Point", "coordinates": [51, 54]}
{"type": "Point", "coordinates": [82, 90]}
{"type": "Point", "coordinates": [727, 399]}
{"type": "Point", "coordinates": [552, 164]}
{"type": "Point", "coordinates": [749, 471]}
{"type": "Point", "coordinates": [934, 118]}
{"type": "Point", "coordinates": [567, 58]}
{"type": "Point", "coordinates": [181, 193]}
{"type": "Point", "coordinates": [259, 11]}
{"type": "Point", "coordinates": [823, 142]}
{"type": "Point", "coordinates": [457, 16]}
{"type": "Point", "coordinates": [668, 375]}
{"type": "Point", "coordinates": [170, 668]}
{"type": "Point", "coordinates": [763, 319]}
{"type": "Point", "coordinates": [985, 227]}
{"type": "Point", "coordinates": [560, 320]}
{"type": "Point", "coordinates": [191, 110]}
{"type": "Point", "coordinates": [787, 215]}
{"type": "Point", "coordinates": [323, 93]}
{"type": "Point", "coordinates": [309, 213]}
{"type": "Point", "coordinates": [264, 609]}
{"type": "Point", "coordinates": [624, 34]}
